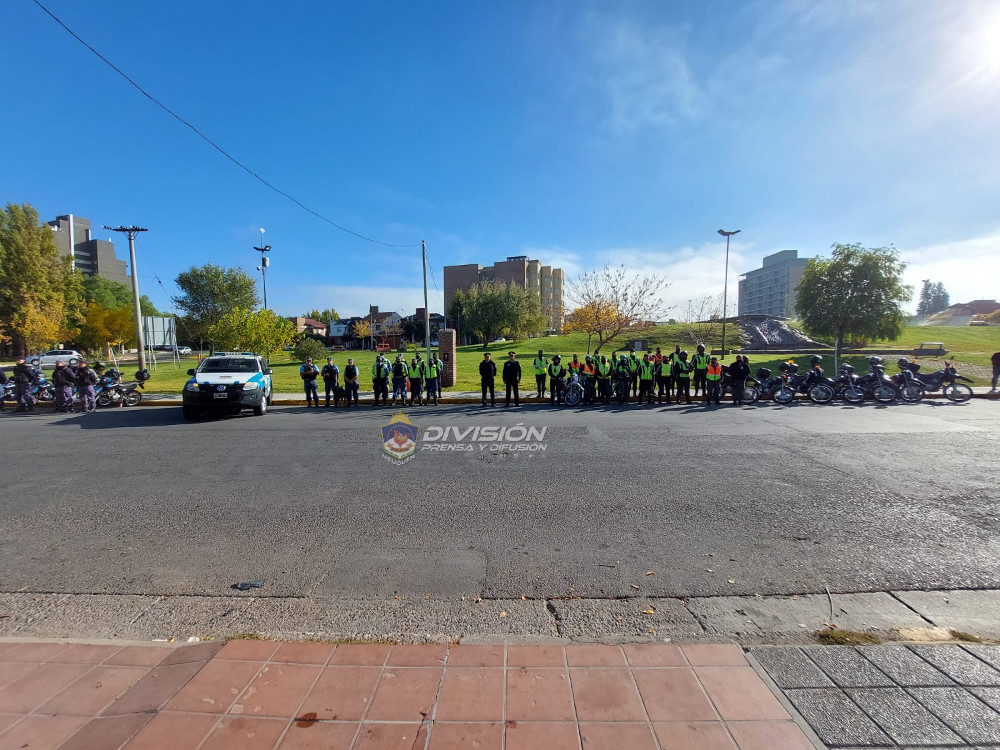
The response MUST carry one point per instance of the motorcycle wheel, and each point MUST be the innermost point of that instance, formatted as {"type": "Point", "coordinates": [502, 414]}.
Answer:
{"type": "Point", "coordinates": [132, 398]}
{"type": "Point", "coordinates": [783, 396]}
{"type": "Point", "coordinates": [853, 395]}
{"type": "Point", "coordinates": [911, 394]}
{"type": "Point", "coordinates": [957, 392]}
{"type": "Point", "coordinates": [573, 396]}
{"type": "Point", "coordinates": [884, 394]}
{"type": "Point", "coordinates": [751, 394]}
{"type": "Point", "coordinates": [104, 399]}
{"type": "Point", "coordinates": [821, 393]}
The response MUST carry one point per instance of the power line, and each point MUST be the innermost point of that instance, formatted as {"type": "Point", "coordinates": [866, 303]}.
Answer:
{"type": "Point", "coordinates": [212, 143]}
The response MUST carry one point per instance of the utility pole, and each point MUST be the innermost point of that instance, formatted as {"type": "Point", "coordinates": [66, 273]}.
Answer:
{"type": "Point", "coordinates": [427, 312]}
{"type": "Point", "coordinates": [264, 263]}
{"type": "Point", "coordinates": [725, 287]}
{"type": "Point", "coordinates": [140, 344]}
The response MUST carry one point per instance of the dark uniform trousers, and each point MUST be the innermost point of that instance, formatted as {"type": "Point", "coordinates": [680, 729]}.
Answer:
{"type": "Point", "coordinates": [488, 386]}
{"type": "Point", "coordinates": [684, 389]}
{"type": "Point", "coordinates": [713, 391]}
{"type": "Point", "coordinates": [700, 380]}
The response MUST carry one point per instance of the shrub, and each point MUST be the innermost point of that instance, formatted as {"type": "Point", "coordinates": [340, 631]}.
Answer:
{"type": "Point", "coordinates": [309, 348]}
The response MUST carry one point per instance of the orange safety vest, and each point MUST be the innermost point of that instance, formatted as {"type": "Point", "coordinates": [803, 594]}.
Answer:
{"type": "Point", "coordinates": [588, 370]}
{"type": "Point", "coordinates": [714, 372]}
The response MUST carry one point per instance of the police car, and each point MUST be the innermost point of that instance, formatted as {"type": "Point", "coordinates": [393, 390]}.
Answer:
{"type": "Point", "coordinates": [230, 382]}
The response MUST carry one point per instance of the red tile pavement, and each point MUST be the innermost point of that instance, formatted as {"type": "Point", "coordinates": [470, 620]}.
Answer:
{"type": "Point", "coordinates": [252, 694]}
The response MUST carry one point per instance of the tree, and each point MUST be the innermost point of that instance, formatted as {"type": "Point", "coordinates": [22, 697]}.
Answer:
{"type": "Point", "coordinates": [308, 348]}
{"type": "Point", "coordinates": [324, 315]}
{"type": "Point", "coordinates": [94, 332]}
{"type": "Point", "coordinates": [38, 300]}
{"type": "Point", "coordinates": [262, 332]}
{"type": "Point", "coordinates": [491, 309]}
{"type": "Point", "coordinates": [362, 329]}
{"type": "Point", "coordinates": [940, 299]}
{"type": "Point", "coordinates": [390, 331]}
{"type": "Point", "coordinates": [209, 292]}
{"type": "Point", "coordinates": [857, 293]}
{"type": "Point", "coordinates": [585, 320]}
{"type": "Point", "coordinates": [933, 298]}
{"type": "Point", "coordinates": [704, 319]}
{"type": "Point", "coordinates": [617, 301]}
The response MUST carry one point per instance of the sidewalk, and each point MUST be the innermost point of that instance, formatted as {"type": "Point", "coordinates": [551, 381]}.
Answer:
{"type": "Point", "coordinates": [264, 695]}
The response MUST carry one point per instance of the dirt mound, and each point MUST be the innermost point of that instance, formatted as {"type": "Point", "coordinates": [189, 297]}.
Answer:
{"type": "Point", "coordinates": [762, 332]}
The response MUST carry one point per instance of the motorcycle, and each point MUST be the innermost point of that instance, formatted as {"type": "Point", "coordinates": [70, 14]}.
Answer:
{"type": "Point", "coordinates": [910, 389]}
{"type": "Point", "coordinates": [845, 385]}
{"type": "Point", "coordinates": [944, 380]}
{"type": "Point", "coordinates": [876, 385]}
{"type": "Point", "coordinates": [818, 387]}
{"type": "Point", "coordinates": [622, 384]}
{"type": "Point", "coordinates": [783, 392]}
{"type": "Point", "coordinates": [753, 388]}
{"type": "Point", "coordinates": [573, 390]}
{"type": "Point", "coordinates": [123, 394]}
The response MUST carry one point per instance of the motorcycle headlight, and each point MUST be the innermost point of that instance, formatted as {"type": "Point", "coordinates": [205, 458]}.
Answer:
{"type": "Point", "coordinates": [192, 386]}
{"type": "Point", "coordinates": [250, 385]}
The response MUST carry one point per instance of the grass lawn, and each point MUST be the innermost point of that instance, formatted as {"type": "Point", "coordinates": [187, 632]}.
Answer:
{"type": "Point", "coordinates": [967, 345]}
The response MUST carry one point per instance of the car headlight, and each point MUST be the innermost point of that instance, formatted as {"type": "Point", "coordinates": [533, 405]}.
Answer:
{"type": "Point", "coordinates": [192, 386]}
{"type": "Point", "coordinates": [250, 385]}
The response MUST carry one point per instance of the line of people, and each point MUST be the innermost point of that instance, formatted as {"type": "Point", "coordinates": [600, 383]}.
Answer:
{"type": "Point", "coordinates": [64, 379]}
{"type": "Point", "coordinates": [421, 379]}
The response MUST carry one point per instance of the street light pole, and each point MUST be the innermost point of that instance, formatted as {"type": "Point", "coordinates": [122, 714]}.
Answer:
{"type": "Point", "coordinates": [264, 263]}
{"type": "Point", "coordinates": [725, 288]}
{"type": "Point", "coordinates": [140, 344]}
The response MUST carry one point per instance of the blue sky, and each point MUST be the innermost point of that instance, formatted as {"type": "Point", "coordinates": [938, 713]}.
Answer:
{"type": "Point", "coordinates": [576, 132]}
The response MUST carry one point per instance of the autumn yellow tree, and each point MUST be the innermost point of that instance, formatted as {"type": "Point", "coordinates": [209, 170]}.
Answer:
{"type": "Point", "coordinates": [588, 319]}
{"type": "Point", "coordinates": [362, 329]}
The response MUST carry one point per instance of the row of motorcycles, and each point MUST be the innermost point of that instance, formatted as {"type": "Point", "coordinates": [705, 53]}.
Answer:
{"type": "Point", "coordinates": [110, 390]}
{"type": "Point", "coordinates": [908, 385]}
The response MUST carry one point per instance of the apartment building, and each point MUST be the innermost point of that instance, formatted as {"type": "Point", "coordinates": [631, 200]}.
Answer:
{"type": "Point", "coordinates": [74, 238]}
{"type": "Point", "coordinates": [771, 289]}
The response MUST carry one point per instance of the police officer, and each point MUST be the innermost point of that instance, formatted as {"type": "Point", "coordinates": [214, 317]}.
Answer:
{"type": "Point", "coordinates": [351, 375]}
{"type": "Point", "coordinates": [512, 379]}
{"type": "Point", "coordinates": [556, 374]}
{"type": "Point", "coordinates": [62, 381]}
{"type": "Point", "coordinates": [646, 379]}
{"type": "Point", "coordinates": [623, 373]}
{"type": "Point", "coordinates": [487, 378]}
{"type": "Point", "coordinates": [633, 366]}
{"type": "Point", "coordinates": [86, 379]}
{"type": "Point", "coordinates": [604, 368]}
{"type": "Point", "coordinates": [589, 374]}
{"type": "Point", "coordinates": [675, 357]}
{"type": "Point", "coordinates": [539, 366]}
{"type": "Point", "coordinates": [416, 379]}
{"type": "Point", "coordinates": [400, 371]}
{"type": "Point", "coordinates": [24, 378]}
{"type": "Point", "coordinates": [380, 380]}
{"type": "Point", "coordinates": [663, 380]}
{"type": "Point", "coordinates": [682, 372]}
{"type": "Point", "coordinates": [574, 366]}
{"type": "Point", "coordinates": [331, 380]}
{"type": "Point", "coordinates": [739, 371]}
{"type": "Point", "coordinates": [700, 363]}
{"type": "Point", "coordinates": [308, 372]}
{"type": "Point", "coordinates": [432, 371]}
{"type": "Point", "coordinates": [3, 387]}
{"type": "Point", "coordinates": [713, 382]}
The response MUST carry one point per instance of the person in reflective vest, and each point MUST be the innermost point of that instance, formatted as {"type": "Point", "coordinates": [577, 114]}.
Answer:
{"type": "Point", "coordinates": [675, 357]}
{"type": "Point", "coordinates": [574, 366]}
{"type": "Point", "coordinates": [700, 363]}
{"type": "Point", "coordinates": [663, 379]}
{"type": "Point", "coordinates": [400, 372]}
{"type": "Point", "coordinates": [713, 382]}
{"type": "Point", "coordinates": [416, 379]}
{"type": "Point", "coordinates": [603, 368]}
{"type": "Point", "coordinates": [646, 379]}
{"type": "Point", "coordinates": [589, 374]}
{"type": "Point", "coordinates": [380, 380]}
{"type": "Point", "coordinates": [633, 366]}
{"type": "Point", "coordinates": [682, 372]}
{"type": "Point", "coordinates": [539, 366]}
{"type": "Point", "coordinates": [432, 370]}
{"type": "Point", "coordinates": [556, 374]}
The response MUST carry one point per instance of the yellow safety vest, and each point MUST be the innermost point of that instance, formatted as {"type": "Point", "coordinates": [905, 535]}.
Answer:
{"type": "Point", "coordinates": [645, 370]}
{"type": "Point", "coordinates": [539, 365]}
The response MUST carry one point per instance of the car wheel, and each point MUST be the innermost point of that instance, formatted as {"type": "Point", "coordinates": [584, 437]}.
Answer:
{"type": "Point", "coordinates": [261, 409]}
{"type": "Point", "coordinates": [189, 412]}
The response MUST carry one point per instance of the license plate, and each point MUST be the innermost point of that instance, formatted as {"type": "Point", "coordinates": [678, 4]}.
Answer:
{"type": "Point", "coordinates": [221, 395]}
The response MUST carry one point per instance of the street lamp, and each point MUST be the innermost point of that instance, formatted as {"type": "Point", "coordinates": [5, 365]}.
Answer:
{"type": "Point", "coordinates": [725, 287]}
{"type": "Point", "coordinates": [264, 263]}
{"type": "Point", "coordinates": [140, 344]}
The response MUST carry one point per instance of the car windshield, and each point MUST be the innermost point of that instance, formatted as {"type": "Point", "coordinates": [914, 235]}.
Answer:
{"type": "Point", "coordinates": [229, 365]}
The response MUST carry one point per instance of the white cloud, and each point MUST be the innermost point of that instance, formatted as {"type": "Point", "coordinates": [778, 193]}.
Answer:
{"type": "Point", "coordinates": [969, 269]}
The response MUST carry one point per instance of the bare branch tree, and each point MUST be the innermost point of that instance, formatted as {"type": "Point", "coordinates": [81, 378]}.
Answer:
{"type": "Point", "coordinates": [616, 300]}
{"type": "Point", "coordinates": [703, 319]}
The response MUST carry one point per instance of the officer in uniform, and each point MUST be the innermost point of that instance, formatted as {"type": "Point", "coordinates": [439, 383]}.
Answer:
{"type": "Point", "coordinates": [663, 378]}
{"type": "Point", "coordinates": [700, 363]}
{"type": "Point", "coordinates": [675, 357]}
{"type": "Point", "coordinates": [24, 378]}
{"type": "Point", "coordinates": [539, 365]}
{"type": "Point", "coordinates": [86, 379]}
{"type": "Point", "coordinates": [682, 372]}
{"type": "Point", "coordinates": [646, 379]}
{"type": "Point", "coordinates": [713, 382]}
{"type": "Point", "coordinates": [633, 366]}
{"type": "Point", "coordinates": [512, 378]}
{"type": "Point", "coordinates": [308, 373]}
{"type": "Point", "coordinates": [351, 382]}
{"type": "Point", "coordinates": [62, 381]}
{"type": "Point", "coordinates": [487, 378]}
{"type": "Point", "coordinates": [331, 380]}
{"type": "Point", "coordinates": [431, 372]}
{"type": "Point", "coordinates": [556, 374]}
{"type": "Point", "coordinates": [603, 368]}
{"type": "Point", "coordinates": [380, 380]}
{"type": "Point", "coordinates": [400, 371]}
{"type": "Point", "coordinates": [589, 374]}
{"type": "Point", "coordinates": [574, 366]}
{"type": "Point", "coordinates": [416, 379]}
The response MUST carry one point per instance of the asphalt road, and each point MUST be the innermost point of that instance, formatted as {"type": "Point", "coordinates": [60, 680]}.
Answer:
{"type": "Point", "coordinates": [761, 500]}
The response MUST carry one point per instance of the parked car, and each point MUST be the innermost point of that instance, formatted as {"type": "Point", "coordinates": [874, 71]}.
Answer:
{"type": "Point", "coordinates": [228, 382]}
{"type": "Point", "coordinates": [500, 340]}
{"type": "Point", "coordinates": [69, 356]}
{"type": "Point", "coordinates": [183, 350]}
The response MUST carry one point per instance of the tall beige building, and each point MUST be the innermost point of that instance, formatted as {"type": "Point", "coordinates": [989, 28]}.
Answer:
{"type": "Point", "coordinates": [548, 282]}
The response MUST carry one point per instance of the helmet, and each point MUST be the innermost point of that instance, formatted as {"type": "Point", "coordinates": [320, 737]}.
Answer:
{"type": "Point", "coordinates": [556, 358]}
{"type": "Point", "coordinates": [623, 357]}
{"type": "Point", "coordinates": [588, 358]}
{"type": "Point", "coordinates": [683, 355]}
{"type": "Point", "coordinates": [701, 348]}
{"type": "Point", "coordinates": [815, 359]}
{"type": "Point", "coordinates": [874, 360]}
